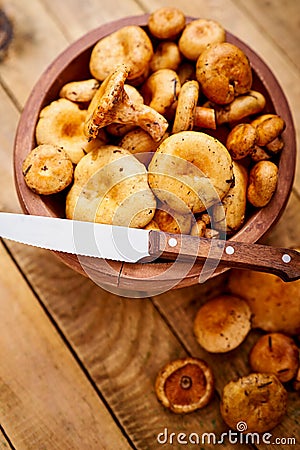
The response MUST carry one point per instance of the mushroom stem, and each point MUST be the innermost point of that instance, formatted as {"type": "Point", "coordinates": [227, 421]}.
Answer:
{"type": "Point", "coordinates": [141, 115]}
{"type": "Point", "coordinates": [111, 104]}
{"type": "Point", "coordinates": [205, 118]}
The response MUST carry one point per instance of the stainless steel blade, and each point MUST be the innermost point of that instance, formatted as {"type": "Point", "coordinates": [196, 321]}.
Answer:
{"type": "Point", "coordinates": [77, 237]}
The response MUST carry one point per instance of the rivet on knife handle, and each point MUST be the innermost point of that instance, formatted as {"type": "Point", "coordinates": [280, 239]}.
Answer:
{"type": "Point", "coordinates": [282, 262]}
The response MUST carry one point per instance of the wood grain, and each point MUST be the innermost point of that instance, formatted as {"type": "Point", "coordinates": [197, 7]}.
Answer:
{"type": "Point", "coordinates": [43, 390]}
{"type": "Point", "coordinates": [121, 342]}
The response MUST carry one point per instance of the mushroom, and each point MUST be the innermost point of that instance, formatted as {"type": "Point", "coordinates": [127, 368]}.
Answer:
{"type": "Point", "coordinates": [190, 170]}
{"type": "Point", "coordinates": [235, 201]}
{"type": "Point", "coordinates": [166, 56]}
{"type": "Point", "coordinates": [241, 107]}
{"type": "Point", "coordinates": [199, 228]}
{"type": "Point", "coordinates": [80, 91]}
{"type": "Point", "coordinates": [258, 401]}
{"type": "Point", "coordinates": [275, 305]}
{"type": "Point", "coordinates": [62, 124]}
{"type": "Point", "coordinates": [110, 186]}
{"type": "Point", "coordinates": [224, 72]}
{"type": "Point", "coordinates": [186, 72]}
{"type": "Point", "coordinates": [188, 115]}
{"type": "Point", "coordinates": [275, 353]}
{"type": "Point", "coordinates": [269, 128]}
{"type": "Point", "coordinates": [222, 323]}
{"type": "Point", "coordinates": [262, 183]}
{"type": "Point", "coordinates": [47, 170]}
{"type": "Point", "coordinates": [185, 385]}
{"type": "Point", "coordinates": [172, 221]}
{"type": "Point", "coordinates": [139, 141]}
{"type": "Point", "coordinates": [161, 90]}
{"type": "Point", "coordinates": [199, 34]}
{"type": "Point", "coordinates": [296, 381]}
{"type": "Point", "coordinates": [241, 140]}
{"type": "Point", "coordinates": [130, 45]}
{"type": "Point", "coordinates": [111, 104]}
{"type": "Point", "coordinates": [166, 23]}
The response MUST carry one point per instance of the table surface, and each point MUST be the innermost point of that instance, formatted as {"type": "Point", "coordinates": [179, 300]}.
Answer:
{"type": "Point", "coordinates": [77, 363]}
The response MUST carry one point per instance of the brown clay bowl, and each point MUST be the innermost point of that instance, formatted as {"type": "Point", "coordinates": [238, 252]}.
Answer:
{"type": "Point", "coordinates": [71, 65]}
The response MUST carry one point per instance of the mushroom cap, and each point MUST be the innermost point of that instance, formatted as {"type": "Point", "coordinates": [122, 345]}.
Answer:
{"type": "Point", "coordinates": [223, 71]}
{"type": "Point", "coordinates": [129, 45]}
{"type": "Point", "coordinates": [268, 128]}
{"type": "Point", "coordinates": [222, 323]}
{"type": "Point", "coordinates": [275, 353]}
{"type": "Point", "coordinates": [166, 22]}
{"type": "Point", "coordinates": [263, 179]}
{"type": "Point", "coordinates": [190, 170]}
{"type": "Point", "coordinates": [47, 170]}
{"type": "Point", "coordinates": [197, 35]}
{"type": "Point", "coordinates": [111, 186]}
{"type": "Point", "coordinates": [80, 91]}
{"type": "Point", "coordinates": [235, 201]}
{"type": "Point", "coordinates": [172, 221]}
{"type": "Point", "coordinates": [275, 305]}
{"type": "Point", "coordinates": [185, 385]}
{"type": "Point", "coordinates": [166, 56]}
{"type": "Point", "coordinates": [62, 124]}
{"type": "Point", "coordinates": [258, 399]}
{"type": "Point", "coordinates": [241, 140]}
{"type": "Point", "coordinates": [161, 90]}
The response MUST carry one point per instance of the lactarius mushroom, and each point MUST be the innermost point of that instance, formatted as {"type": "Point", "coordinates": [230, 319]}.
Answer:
{"type": "Point", "coordinates": [47, 170]}
{"type": "Point", "coordinates": [275, 353]}
{"type": "Point", "coordinates": [80, 91]}
{"type": "Point", "coordinates": [188, 115]}
{"type": "Point", "coordinates": [241, 107]}
{"type": "Point", "coordinates": [222, 323]}
{"type": "Point", "coordinates": [161, 90]}
{"type": "Point", "coordinates": [262, 183]}
{"type": "Point", "coordinates": [185, 385]}
{"type": "Point", "coordinates": [111, 186]}
{"type": "Point", "coordinates": [258, 399]}
{"type": "Point", "coordinates": [166, 56]}
{"type": "Point", "coordinates": [129, 45]}
{"type": "Point", "coordinates": [269, 128]}
{"type": "Point", "coordinates": [172, 222]}
{"type": "Point", "coordinates": [191, 170]}
{"type": "Point", "coordinates": [224, 72]}
{"type": "Point", "coordinates": [241, 140]}
{"type": "Point", "coordinates": [166, 23]}
{"type": "Point", "coordinates": [275, 305]}
{"type": "Point", "coordinates": [235, 201]}
{"type": "Point", "coordinates": [197, 35]}
{"type": "Point", "coordinates": [112, 104]}
{"type": "Point", "coordinates": [62, 124]}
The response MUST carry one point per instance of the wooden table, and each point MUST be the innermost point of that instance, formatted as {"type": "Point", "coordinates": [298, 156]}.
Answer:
{"type": "Point", "coordinates": [77, 363]}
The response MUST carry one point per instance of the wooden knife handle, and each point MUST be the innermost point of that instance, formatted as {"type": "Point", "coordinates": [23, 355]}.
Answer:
{"type": "Point", "coordinates": [282, 262]}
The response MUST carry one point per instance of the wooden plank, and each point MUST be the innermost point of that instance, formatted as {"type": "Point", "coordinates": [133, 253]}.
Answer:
{"type": "Point", "coordinates": [9, 119]}
{"type": "Point", "coordinates": [279, 20]}
{"type": "Point", "coordinates": [122, 343]}
{"type": "Point", "coordinates": [4, 444]}
{"type": "Point", "coordinates": [41, 382]}
{"type": "Point", "coordinates": [84, 16]}
{"type": "Point", "coordinates": [36, 42]}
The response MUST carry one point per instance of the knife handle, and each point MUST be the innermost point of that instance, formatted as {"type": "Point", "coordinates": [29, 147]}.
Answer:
{"type": "Point", "coordinates": [282, 262]}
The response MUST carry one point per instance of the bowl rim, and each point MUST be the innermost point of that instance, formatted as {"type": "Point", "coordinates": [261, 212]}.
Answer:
{"type": "Point", "coordinates": [125, 275]}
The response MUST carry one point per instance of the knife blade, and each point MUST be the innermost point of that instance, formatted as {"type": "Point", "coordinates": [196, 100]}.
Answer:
{"type": "Point", "coordinates": [138, 245]}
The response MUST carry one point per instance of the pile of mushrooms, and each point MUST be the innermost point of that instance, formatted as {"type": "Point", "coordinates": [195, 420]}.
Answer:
{"type": "Point", "coordinates": [155, 98]}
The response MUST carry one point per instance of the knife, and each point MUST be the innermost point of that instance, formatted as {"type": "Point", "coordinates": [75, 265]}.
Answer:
{"type": "Point", "coordinates": [137, 245]}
